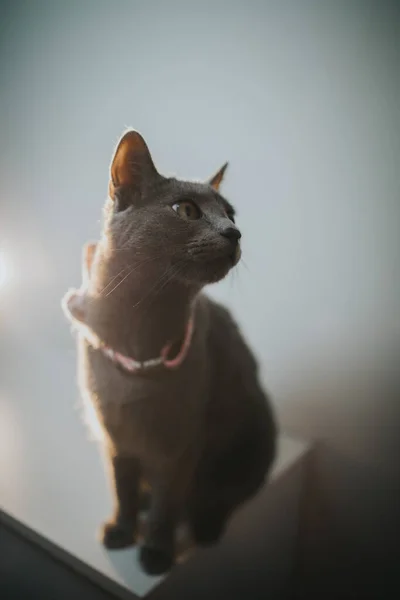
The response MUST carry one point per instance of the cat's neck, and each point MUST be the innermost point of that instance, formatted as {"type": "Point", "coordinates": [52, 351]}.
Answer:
{"type": "Point", "coordinates": [140, 314]}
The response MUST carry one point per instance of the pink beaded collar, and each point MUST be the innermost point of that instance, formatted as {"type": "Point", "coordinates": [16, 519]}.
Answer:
{"type": "Point", "coordinates": [134, 366]}
{"type": "Point", "coordinates": [74, 307]}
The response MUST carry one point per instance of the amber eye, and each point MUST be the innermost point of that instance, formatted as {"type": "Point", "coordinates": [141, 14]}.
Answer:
{"type": "Point", "coordinates": [187, 210]}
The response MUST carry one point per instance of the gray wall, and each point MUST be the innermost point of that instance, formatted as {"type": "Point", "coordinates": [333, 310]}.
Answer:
{"type": "Point", "coordinates": [303, 99]}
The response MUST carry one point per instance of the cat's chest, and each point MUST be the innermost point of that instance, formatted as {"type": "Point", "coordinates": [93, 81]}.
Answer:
{"type": "Point", "coordinates": [143, 416]}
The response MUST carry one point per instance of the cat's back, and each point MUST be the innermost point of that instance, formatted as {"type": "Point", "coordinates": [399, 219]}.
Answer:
{"type": "Point", "coordinates": [226, 343]}
{"type": "Point", "coordinates": [234, 374]}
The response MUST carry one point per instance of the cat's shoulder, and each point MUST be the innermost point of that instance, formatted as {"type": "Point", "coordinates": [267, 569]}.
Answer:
{"type": "Point", "coordinates": [215, 311]}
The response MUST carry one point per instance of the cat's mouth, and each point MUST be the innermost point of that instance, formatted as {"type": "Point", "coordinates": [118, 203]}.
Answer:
{"type": "Point", "coordinates": [206, 266]}
{"type": "Point", "coordinates": [219, 267]}
{"type": "Point", "coordinates": [226, 260]}
{"type": "Point", "coordinates": [236, 255]}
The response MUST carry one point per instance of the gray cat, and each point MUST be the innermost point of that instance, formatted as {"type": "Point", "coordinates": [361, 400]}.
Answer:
{"type": "Point", "coordinates": [173, 383]}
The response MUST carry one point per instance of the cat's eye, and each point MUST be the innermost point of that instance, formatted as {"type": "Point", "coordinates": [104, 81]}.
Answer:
{"type": "Point", "coordinates": [231, 217]}
{"type": "Point", "coordinates": [187, 210]}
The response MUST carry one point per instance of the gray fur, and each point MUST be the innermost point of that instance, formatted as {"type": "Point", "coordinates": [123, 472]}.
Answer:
{"type": "Point", "coordinates": [203, 436]}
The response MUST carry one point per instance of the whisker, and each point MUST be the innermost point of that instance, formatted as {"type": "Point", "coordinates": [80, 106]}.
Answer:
{"type": "Point", "coordinates": [155, 286]}
{"type": "Point", "coordinates": [233, 277]}
{"type": "Point", "coordinates": [244, 264]}
{"type": "Point", "coordinates": [119, 282]}
{"type": "Point", "coordinates": [134, 268]}
{"type": "Point", "coordinates": [169, 279]}
{"type": "Point", "coordinates": [91, 300]}
{"type": "Point", "coordinates": [113, 279]}
{"type": "Point", "coordinates": [237, 278]}
{"type": "Point", "coordinates": [123, 270]}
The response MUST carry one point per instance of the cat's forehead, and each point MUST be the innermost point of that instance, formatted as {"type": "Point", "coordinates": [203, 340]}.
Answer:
{"type": "Point", "coordinates": [177, 189]}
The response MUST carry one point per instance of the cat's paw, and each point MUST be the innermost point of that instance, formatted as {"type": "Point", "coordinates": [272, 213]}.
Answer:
{"type": "Point", "coordinates": [155, 561]}
{"type": "Point", "coordinates": [115, 535]}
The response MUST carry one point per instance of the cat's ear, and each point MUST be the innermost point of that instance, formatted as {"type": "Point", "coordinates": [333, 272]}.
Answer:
{"type": "Point", "coordinates": [132, 164]}
{"type": "Point", "coordinates": [88, 253]}
{"type": "Point", "coordinates": [216, 180]}
{"type": "Point", "coordinates": [74, 305]}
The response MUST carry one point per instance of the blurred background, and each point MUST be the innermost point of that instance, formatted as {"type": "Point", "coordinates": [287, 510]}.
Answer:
{"type": "Point", "coordinates": [302, 98]}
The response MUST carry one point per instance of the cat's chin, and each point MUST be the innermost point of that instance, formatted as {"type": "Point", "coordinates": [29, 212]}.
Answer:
{"type": "Point", "coordinates": [218, 274]}
{"type": "Point", "coordinates": [210, 272]}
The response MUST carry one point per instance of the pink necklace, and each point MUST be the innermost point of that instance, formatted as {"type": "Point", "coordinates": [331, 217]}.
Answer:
{"type": "Point", "coordinates": [73, 305]}
{"type": "Point", "coordinates": [134, 366]}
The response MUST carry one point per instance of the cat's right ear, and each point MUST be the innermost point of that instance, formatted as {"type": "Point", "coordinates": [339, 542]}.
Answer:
{"type": "Point", "coordinates": [132, 164]}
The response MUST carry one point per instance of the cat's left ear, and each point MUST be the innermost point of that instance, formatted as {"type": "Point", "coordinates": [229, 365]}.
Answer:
{"type": "Point", "coordinates": [216, 180]}
{"type": "Point", "coordinates": [132, 164]}
{"type": "Point", "coordinates": [74, 305]}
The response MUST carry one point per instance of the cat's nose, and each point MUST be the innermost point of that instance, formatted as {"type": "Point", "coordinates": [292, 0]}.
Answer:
{"type": "Point", "coordinates": [232, 233]}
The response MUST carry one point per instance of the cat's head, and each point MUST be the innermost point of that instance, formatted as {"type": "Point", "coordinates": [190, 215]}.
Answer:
{"type": "Point", "coordinates": [185, 227]}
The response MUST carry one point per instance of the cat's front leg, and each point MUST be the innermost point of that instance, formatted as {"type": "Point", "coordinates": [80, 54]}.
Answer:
{"type": "Point", "coordinates": [120, 530]}
{"type": "Point", "coordinates": [157, 554]}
